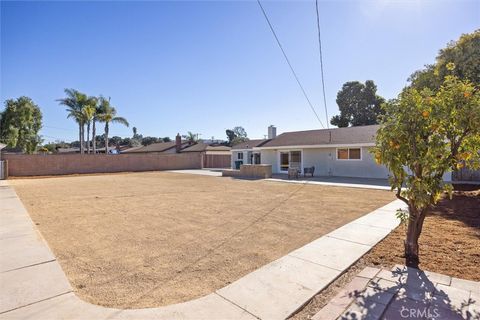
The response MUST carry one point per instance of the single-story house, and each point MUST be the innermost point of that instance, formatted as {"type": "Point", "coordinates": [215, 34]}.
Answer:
{"type": "Point", "coordinates": [341, 152]}
{"type": "Point", "coordinates": [243, 153]}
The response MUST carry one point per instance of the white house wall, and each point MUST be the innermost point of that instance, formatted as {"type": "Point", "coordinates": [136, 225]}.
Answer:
{"type": "Point", "coordinates": [326, 163]}
{"type": "Point", "coordinates": [269, 157]}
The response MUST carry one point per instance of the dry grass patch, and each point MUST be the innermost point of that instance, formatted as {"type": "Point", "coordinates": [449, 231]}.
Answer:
{"type": "Point", "coordinates": [150, 239]}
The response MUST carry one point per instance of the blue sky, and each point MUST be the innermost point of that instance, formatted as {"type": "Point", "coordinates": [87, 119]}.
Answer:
{"type": "Point", "coordinates": [206, 66]}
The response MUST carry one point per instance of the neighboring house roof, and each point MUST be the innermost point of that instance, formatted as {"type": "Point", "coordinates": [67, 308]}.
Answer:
{"type": "Point", "coordinates": [155, 147]}
{"type": "Point", "coordinates": [68, 150]}
{"type": "Point", "coordinates": [77, 149]}
{"type": "Point", "coordinates": [2, 146]}
{"type": "Point", "coordinates": [201, 147]}
{"type": "Point", "coordinates": [131, 149]}
{"type": "Point", "coordinates": [218, 148]}
{"type": "Point", "coordinates": [250, 144]}
{"type": "Point", "coordinates": [198, 147]}
{"type": "Point", "coordinates": [336, 136]}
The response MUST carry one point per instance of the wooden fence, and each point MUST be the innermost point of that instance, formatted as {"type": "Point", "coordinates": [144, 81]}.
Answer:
{"type": "Point", "coordinates": [21, 165]}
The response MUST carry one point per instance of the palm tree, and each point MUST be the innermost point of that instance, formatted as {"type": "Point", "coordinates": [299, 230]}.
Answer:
{"type": "Point", "coordinates": [88, 113]}
{"type": "Point", "coordinates": [96, 117]}
{"type": "Point", "coordinates": [108, 114]}
{"type": "Point", "coordinates": [191, 138]}
{"type": "Point", "coordinates": [75, 102]}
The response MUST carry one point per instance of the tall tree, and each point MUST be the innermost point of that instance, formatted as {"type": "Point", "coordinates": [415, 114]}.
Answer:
{"type": "Point", "coordinates": [75, 102]}
{"type": "Point", "coordinates": [236, 135]}
{"type": "Point", "coordinates": [464, 53]}
{"type": "Point", "coordinates": [422, 136]}
{"type": "Point", "coordinates": [136, 140]}
{"type": "Point", "coordinates": [109, 115]}
{"type": "Point", "coordinates": [20, 123]}
{"type": "Point", "coordinates": [359, 104]}
{"type": "Point", "coordinates": [97, 115]}
{"type": "Point", "coordinates": [191, 137]}
{"type": "Point", "coordinates": [88, 113]}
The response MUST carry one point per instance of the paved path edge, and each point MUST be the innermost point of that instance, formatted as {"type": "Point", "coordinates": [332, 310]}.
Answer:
{"type": "Point", "coordinates": [274, 291]}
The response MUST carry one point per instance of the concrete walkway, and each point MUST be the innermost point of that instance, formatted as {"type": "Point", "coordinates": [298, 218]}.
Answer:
{"type": "Point", "coordinates": [365, 183]}
{"type": "Point", "coordinates": [33, 285]}
{"type": "Point", "coordinates": [203, 172]}
{"type": "Point", "coordinates": [404, 293]}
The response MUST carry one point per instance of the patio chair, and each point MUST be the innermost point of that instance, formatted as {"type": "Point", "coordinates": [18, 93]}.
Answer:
{"type": "Point", "coordinates": [309, 170]}
{"type": "Point", "coordinates": [294, 170]}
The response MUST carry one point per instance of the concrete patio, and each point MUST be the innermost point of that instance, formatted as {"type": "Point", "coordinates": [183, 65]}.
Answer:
{"type": "Point", "coordinates": [404, 293]}
{"type": "Point", "coordinates": [35, 287]}
{"type": "Point", "coordinates": [369, 183]}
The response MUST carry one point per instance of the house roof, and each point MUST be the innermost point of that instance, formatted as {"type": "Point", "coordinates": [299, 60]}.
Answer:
{"type": "Point", "coordinates": [68, 150]}
{"type": "Point", "coordinates": [131, 149]}
{"type": "Point", "coordinates": [2, 146]}
{"type": "Point", "coordinates": [155, 147]}
{"type": "Point", "coordinates": [201, 146]}
{"type": "Point", "coordinates": [218, 148]}
{"type": "Point", "coordinates": [349, 135]}
{"type": "Point", "coordinates": [198, 147]}
{"type": "Point", "coordinates": [249, 144]}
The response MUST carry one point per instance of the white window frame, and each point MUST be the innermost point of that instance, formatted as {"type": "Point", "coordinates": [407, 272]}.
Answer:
{"type": "Point", "coordinates": [238, 155]}
{"type": "Point", "coordinates": [348, 148]}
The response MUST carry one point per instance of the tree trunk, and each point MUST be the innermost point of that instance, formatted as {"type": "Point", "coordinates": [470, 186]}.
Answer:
{"type": "Point", "coordinates": [88, 137]}
{"type": "Point", "coordinates": [414, 229]}
{"type": "Point", "coordinates": [80, 137]}
{"type": "Point", "coordinates": [94, 138]}
{"type": "Point", "coordinates": [106, 137]}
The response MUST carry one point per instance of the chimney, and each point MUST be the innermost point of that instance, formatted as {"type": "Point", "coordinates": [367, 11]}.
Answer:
{"type": "Point", "coordinates": [178, 143]}
{"type": "Point", "coordinates": [272, 132]}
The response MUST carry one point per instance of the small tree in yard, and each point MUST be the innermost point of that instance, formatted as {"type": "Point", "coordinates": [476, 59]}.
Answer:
{"type": "Point", "coordinates": [422, 136]}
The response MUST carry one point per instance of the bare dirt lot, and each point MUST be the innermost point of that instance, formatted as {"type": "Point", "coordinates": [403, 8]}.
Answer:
{"type": "Point", "coordinates": [449, 244]}
{"type": "Point", "coordinates": [149, 239]}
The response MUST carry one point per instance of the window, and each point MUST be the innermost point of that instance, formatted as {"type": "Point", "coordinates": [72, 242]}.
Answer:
{"type": "Point", "coordinates": [349, 154]}
{"type": "Point", "coordinates": [342, 154]}
{"type": "Point", "coordinates": [256, 158]}
{"type": "Point", "coordinates": [354, 154]}
{"type": "Point", "coordinates": [284, 161]}
{"type": "Point", "coordinates": [290, 159]}
{"type": "Point", "coordinates": [295, 156]}
{"type": "Point", "coordinates": [239, 155]}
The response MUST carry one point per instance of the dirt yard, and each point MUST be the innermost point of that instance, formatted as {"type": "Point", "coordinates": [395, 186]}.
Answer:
{"type": "Point", "coordinates": [449, 244]}
{"type": "Point", "coordinates": [149, 239]}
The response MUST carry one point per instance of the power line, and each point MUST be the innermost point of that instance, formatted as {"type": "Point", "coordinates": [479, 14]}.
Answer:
{"type": "Point", "coordinates": [289, 64]}
{"type": "Point", "coordinates": [321, 62]}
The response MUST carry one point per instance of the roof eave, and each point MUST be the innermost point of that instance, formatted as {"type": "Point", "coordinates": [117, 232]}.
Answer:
{"type": "Point", "coordinates": [317, 146]}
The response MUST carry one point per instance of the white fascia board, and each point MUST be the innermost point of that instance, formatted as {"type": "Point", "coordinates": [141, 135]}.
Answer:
{"type": "Point", "coordinates": [317, 146]}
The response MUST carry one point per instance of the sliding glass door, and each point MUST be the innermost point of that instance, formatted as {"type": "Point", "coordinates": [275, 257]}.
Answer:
{"type": "Point", "coordinates": [284, 161]}
{"type": "Point", "coordinates": [290, 159]}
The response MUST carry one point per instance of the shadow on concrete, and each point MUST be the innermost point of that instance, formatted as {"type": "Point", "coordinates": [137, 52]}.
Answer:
{"type": "Point", "coordinates": [335, 179]}
{"type": "Point", "coordinates": [410, 294]}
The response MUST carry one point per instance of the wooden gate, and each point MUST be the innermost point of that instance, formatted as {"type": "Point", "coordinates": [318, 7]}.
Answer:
{"type": "Point", "coordinates": [216, 161]}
